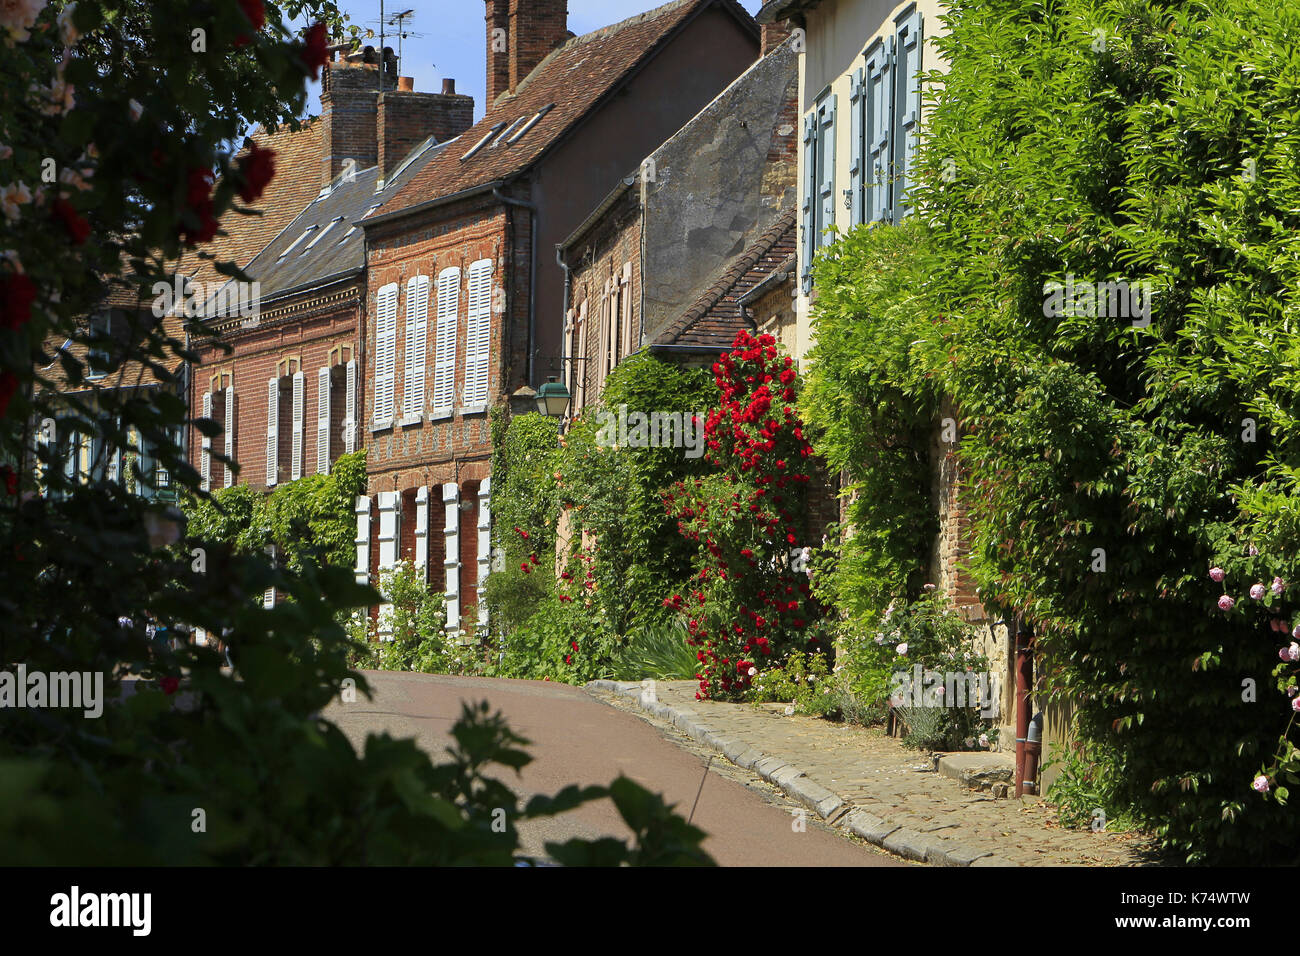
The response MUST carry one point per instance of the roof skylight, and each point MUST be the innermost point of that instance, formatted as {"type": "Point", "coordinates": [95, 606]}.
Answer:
{"type": "Point", "coordinates": [484, 141]}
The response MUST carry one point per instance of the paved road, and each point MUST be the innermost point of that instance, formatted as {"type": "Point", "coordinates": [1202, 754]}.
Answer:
{"type": "Point", "coordinates": [578, 739]}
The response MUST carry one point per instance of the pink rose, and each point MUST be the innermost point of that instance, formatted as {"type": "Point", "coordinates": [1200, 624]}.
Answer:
{"type": "Point", "coordinates": [1278, 586]}
{"type": "Point", "coordinates": [1216, 575]}
{"type": "Point", "coordinates": [1226, 603]}
{"type": "Point", "coordinates": [1295, 704]}
{"type": "Point", "coordinates": [1261, 784]}
{"type": "Point", "coordinates": [1293, 652]}
{"type": "Point", "coordinates": [1256, 591]}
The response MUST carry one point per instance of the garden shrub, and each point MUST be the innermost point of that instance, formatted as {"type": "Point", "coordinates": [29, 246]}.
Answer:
{"type": "Point", "coordinates": [1111, 461]}
{"type": "Point", "coordinates": [89, 565]}
{"type": "Point", "coordinates": [748, 604]}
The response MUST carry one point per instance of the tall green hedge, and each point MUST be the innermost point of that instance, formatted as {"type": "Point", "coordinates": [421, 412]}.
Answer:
{"type": "Point", "coordinates": [1111, 465]}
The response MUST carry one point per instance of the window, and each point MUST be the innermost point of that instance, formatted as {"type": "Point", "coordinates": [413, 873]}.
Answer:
{"type": "Point", "coordinates": [511, 139]}
{"type": "Point", "coordinates": [417, 323]}
{"type": "Point", "coordinates": [444, 346]}
{"type": "Point", "coordinates": [886, 124]}
{"type": "Point", "coordinates": [484, 141]}
{"type": "Point", "coordinates": [296, 243]}
{"type": "Point", "coordinates": [478, 333]}
{"type": "Point", "coordinates": [819, 180]}
{"type": "Point", "coordinates": [385, 353]}
{"type": "Point", "coordinates": [321, 235]}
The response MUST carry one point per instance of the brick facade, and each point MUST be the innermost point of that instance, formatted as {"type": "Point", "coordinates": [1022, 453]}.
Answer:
{"type": "Point", "coordinates": [606, 281]}
{"type": "Point", "coordinates": [314, 333]}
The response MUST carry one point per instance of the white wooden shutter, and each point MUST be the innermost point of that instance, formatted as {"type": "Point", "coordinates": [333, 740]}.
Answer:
{"type": "Point", "coordinates": [272, 432]}
{"type": "Point", "coordinates": [809, 207]}
{"type": "Point", "coordinates": [230, 435]}
{"type": "Point", "coordinates": [478, 332]}
{"type": "Point", "coordinates": [205, 455]}
{"type": "Point", "coordinates": [581, 364]}
{"type": "Point", "coordinates": [323, 421]}
{"type": "Point", "coordinates": [350, 410]}
{"type": "Point", "coordinates": [630, 343]}
{"type": "Point", "coordinates": [299, 387]}
{"type": "Point", "coordinates": [444, 368]}
{"type": "Point", "coordinates": [268, 596]}
{"type": "Point", "coordinates": [417, 322]}
{"type": "Point", "coordinates": [385, 353]}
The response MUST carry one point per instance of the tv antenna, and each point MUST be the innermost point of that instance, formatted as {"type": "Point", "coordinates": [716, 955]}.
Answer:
{"type": "Point", "coordinates": [399, 20]}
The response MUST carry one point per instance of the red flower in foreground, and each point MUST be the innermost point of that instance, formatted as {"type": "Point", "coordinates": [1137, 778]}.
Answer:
{"type": "Point", "coordinates": [314, 52]}
{"type": "Point", "coordinates": [257, 167]}
{"type": "Point", "coordinates": [17, 293]}
{"type": "Point", "coordinates": [169, 685]}
{"type": "Point", "coordinates": [198, 196]}
{"type": "Point", "coordinates": [10, 478]}
{"type": "Point", "coordinates": [256, 13]}
{"type": "Point", "coordinates": [77, 227]}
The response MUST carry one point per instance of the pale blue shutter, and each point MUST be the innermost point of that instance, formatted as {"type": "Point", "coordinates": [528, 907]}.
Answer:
{"type": "Point", "coordinates": [826, 149]}
{"type": "Point", "coordinates": [857, 106]}
{"type": "Point", "coordinates": [809, 234]}
{"type": "Point", "coordinates": [907, 114]}
{"type": "Point", "coordinates": [879, 103]}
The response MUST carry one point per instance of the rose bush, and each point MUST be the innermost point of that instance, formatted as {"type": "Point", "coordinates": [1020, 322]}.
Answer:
{"type": "Point", "coordinates": [749, 601]}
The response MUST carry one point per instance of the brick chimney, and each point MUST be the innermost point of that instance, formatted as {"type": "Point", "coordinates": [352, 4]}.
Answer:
{"type": "Point", "coordinates": [520, 34]}
{"type": "Point", "coordinates": [349, 100]}
{"type": "Point", "coordinates": [406, 118]}
{"type": "Point", "coordinates": [775, 33]}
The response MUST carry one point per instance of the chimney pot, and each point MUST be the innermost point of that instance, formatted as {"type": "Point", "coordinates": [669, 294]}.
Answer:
{"type": "Point", "coordinates": [449, 87]}
{"type": "Point", "coordinates": [406, 83]}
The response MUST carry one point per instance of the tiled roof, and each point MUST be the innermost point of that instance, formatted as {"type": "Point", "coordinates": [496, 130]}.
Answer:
{"type": "Point", "coordinates": [716, 317]}
{"type": "Point", "coordinates": [129, 375]}
{"type": "Point", "coordinates": [324, 242]}
{"type": "Point", "coordinates": [567, 85]}
{"type": "Point", "coordinates": [296, 183]}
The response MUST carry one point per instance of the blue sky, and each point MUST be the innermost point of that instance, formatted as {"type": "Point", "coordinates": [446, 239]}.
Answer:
{"type": "Point", "coordinates": [455, 38]}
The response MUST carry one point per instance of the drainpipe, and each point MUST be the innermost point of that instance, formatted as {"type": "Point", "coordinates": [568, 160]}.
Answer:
{"type": "Point", "coordinates": [1024, 681]}
{"type": "Point", "coordinates": [532, 271]}
{"type": "Point", "coordinates": [564, 314]}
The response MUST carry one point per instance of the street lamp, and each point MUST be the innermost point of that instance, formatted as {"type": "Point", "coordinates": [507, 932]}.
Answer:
{"type": "Point", "coordinates": [553, 398]}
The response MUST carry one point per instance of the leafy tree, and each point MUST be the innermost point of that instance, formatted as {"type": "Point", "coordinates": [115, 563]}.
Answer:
{"type": "Point", "coordinates": [127, 102]}
{"type": "Point", "coordinates": [1116, 449]}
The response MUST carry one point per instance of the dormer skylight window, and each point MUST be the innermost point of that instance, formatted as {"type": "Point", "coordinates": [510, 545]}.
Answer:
{"type": "Point", "coordinates": [519, 134]}
{"type": "Point", "coordinates": [321, 235]}
{"type": "Point", "coordinates": [351, 229]}
{"type": "Point", "coordinates": [296, 243]}
{"type": "Point", "coordinates": [484, 141]}
{"type": "Point", "coordinates": [509, 131]}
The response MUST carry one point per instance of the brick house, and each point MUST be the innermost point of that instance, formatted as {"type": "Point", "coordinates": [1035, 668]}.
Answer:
{"type": "Point", "coordinates": [660, 262]}
{"type": "Point", "coordinates": [288, 391]}
{"type": "Point", "coordinates": [675, 258]}
{"type": "Point", "coordinates": [465, 302]}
